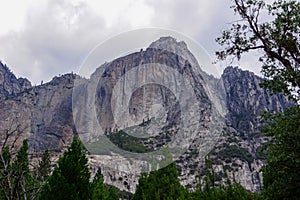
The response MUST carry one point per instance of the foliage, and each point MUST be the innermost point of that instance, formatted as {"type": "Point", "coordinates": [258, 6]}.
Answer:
{"type": "Point", "coordinates": [98, 188]}
{"type": "Point", "coordinates": [231, 192]}
{"type": "Point", "coordinates": [70, 178]}
{"type": "Point", "coordinates": [15, 175]}
{"type": "Point", "coordinates": [164, 184]}
{"type": "Point", "coordinates": [208, 190]}
{"type": "Point", "coordinates": [17, 181]}
{"type": "Point", "coordinates": [112, 194]}
{"type": "Point", "coordinates": [277, 39]}
{"type": "Point", "coordinates": [128, 142]}
{"type": "Point", "coordinates": [160, 184]}
{"type": "Point", "coordinates": [233, 151]}
{"type": "Point", "coordinates": [281, 175]}
{"type": "Point", "coordinates": [100, 191]}
{"type": "Point", "coordinates": [44, 168]}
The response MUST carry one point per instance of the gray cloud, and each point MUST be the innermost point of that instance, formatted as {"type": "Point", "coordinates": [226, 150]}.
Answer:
{"type": "Point", "coordinates": [55, 40]}
{"type": "Point", "coordinates": [201, 20]}
{"type": "Point", "coordinates": [204, 21]}
{"type": "Point", "coordinates": [57, 37]}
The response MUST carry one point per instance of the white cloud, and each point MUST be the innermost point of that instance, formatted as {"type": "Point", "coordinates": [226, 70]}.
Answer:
{"type": "Point", "coordinates": [12, 14]}
{"type": "Point", "coordinates": [55, 39]}
{"type": "Point", "coordinates": [115, 12]}
{"type": "Point", "coordinates": [40, 39]}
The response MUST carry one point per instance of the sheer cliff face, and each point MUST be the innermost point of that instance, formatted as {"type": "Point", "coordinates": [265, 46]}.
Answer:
{"type": "Point", "coordinates": [9, 84]}
{"type": "Point", "coordinates": [149, 83]}
{"type": "Point", "coordinates": [45, 113]}
{"type": "Point", "coordinates": [242, 139]}
{"type": "Point", "coordinates": [246, 100]}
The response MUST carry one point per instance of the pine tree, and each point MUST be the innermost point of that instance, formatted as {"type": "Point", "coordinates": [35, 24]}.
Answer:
{"type": "Point", "coordinates": [112, 194]}
{"type": "Point", "coordinates": [279, 44]}
{"type": "Point", "coordinates": [98, 188]}
{"type": "Point", "coordinates": [44, 167]}
{"type": "Point", "coordinates": [5, 170]}
{"type": "Point", "coordinates": [210, 191]}
{"type": "Point", "coordinates": [160, 184]}
{"type": "Point", "coordinates": [281, 175]}
{"type": "Point", "coordinates": [100, 191]}
{"type": "Point", "coordinates": [40, 175]}
{"type": "Point", "coordinates": [21, 174]}
{"type": "Point", "coordinates": [15, 178]}
{"type": "Point", "coordinates": [70, 178]}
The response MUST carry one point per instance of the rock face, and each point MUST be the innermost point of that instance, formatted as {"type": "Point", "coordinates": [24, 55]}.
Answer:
{"type": "Point", "coordinates": [226, 111]}
{"type": "Point", "coordinates": [238, 150]}
{"type": "Point", "coordinates": [9, 84]}
{"type": "Point", "coordinates": [246, 100]}
{"type": "Point", "coordinates": [44, 112]}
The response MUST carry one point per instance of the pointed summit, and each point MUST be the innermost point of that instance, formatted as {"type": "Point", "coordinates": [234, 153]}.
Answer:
{"type": "Point", "coordinates": [10, 85]}
{"type": "Point", "coordinates": [180, 48]}
{"type": "Point", "coordinates": [169, 43]}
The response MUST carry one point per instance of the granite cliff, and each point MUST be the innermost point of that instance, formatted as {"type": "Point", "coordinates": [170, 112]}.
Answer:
{"type": "Point", "coordinates": [9, 84]}
{"type": "Point", "coordinates": [227, 113]}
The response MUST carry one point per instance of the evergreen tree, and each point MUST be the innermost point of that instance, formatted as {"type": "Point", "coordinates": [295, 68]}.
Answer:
{"type": "Point", "coordinates": [5, 170]}
{"type": "Point", "coordinates": [279, 44]}
{"type": "Point", "coordinates": [70, 178]}
{"type": "Point", "coordinates": [160, 184]}
{"type": "Point", "coordinates": [112, 194]}
{"type": "Point", "coordinates": [232, 191]}
{"type": "Point", "coordinates": [15, 178]}
{"type": "Point", "coordinates": [281, 174]}
{"type": "Point", "coordinates": [44, 167]}
{"type": "Point", "coordinates": [20, 169]}
{"type": "Point", "coordinates": [98, 188]}
{"type": "Point", "coordinates": [40, 175]}
{"type": "Point", "coordinates": [99, 191]}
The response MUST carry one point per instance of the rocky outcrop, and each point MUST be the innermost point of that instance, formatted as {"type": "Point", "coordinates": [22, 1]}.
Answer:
{"type": "Point", "coordinates": [44, 111]}
{"type": "Point", "coordinates": [246, 100]}
{"type": "Point", "coordinates": [148, 85]}
{"type": "Point", "coordinates": [9, 84]}
{"type": "Point", "coordinates": [239, 148]}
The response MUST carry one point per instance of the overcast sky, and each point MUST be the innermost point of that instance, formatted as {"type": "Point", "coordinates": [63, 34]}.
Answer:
{"type": "Point", "coordinates": [43, 38]}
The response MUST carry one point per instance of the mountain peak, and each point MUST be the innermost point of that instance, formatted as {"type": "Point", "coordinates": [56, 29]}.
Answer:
{"type": "Point", "coordinates": [179, 48]}
{"type": "Point", "coordinates": [168, 43]}
{"type": "Point", "coordinates": [10, 84]}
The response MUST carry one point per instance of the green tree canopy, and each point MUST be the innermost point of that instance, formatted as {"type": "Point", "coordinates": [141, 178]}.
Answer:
{"type": "Point", "coordinates": [15, 176]}
{"type": "Point", "coordinates": [70, 178]}
{"type": "Point", "coordinates": [207, 189]}
{"type": "Point", "coordinates": [44, 168]}
{"type": "Point", "coordinates": [276, 37]}
{"type": "Point", "coordinates": [281, 173]}
{"type": "Point", "coordinates": [160, 184]}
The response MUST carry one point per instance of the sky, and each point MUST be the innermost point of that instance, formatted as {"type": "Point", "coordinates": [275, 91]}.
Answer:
{"type": "Point", "coordinates": [40, 39]}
